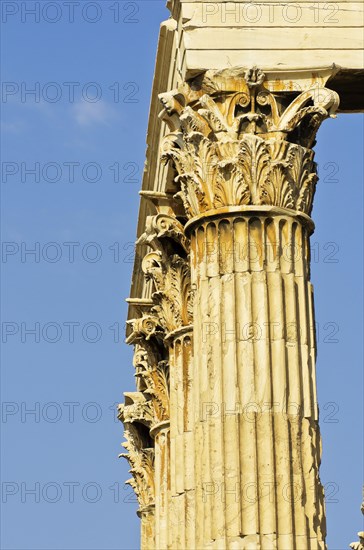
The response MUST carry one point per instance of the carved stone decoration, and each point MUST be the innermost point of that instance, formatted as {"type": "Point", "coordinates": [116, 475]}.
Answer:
{"type": "Point", "coordinates": [147, 407]}
{"type": "Point", "coordinates": [172, 299]}
{"type": "Point", "coordinates": [168, 267]}
{"type": "Point", "coordinates": [236, 105]}
{"type": "Point", "coordinates": [145, 327]}
{"type": "Point", "coordinates": [246, 147]}
{"type": "Point", "coordinates": [143, 356]}
{"type": "Point", "coordinates": [360, 544]}
{"type": "Point", "coordinates": [140, 456]}
{"type": "Point", "coordinates": [241, 178]}
{"type": "Point", "coordinates": [137, 416]}
{"type": "Point", "coordinates": [162, 233]}
{"type": "Point", "coordinates": [151, 371]}
{"type": "Point", "coordinates": [250, 171]}
{"type": "Point", "coordinates": [136, 409]}
{"type": "Point", "coordinates": [158, 388]}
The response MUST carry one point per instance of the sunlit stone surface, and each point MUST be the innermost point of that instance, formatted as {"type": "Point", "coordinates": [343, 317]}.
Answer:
{"type": "Point", "coordinates": [222, 431]}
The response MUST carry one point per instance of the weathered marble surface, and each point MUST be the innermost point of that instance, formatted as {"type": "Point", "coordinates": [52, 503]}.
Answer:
{"type": "Point", "coordinates": [222, 433]}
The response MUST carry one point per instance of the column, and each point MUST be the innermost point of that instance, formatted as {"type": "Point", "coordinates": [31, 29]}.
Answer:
{"type": "Point", "coordinates": [163, 360]}
{"type": "Point", "coordinates": [182, 516]}
{"type": "Point", "coordinates": [258, 447]}
{"type": "Point", "coordinates": [137, 416]}
{"type": "Point", "coordinates": [244, 170]}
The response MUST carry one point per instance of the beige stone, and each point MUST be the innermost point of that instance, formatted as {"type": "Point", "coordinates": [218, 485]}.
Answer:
{"type": "Point", "coordinates": [222, 432]}
{"type": "Point", "coordinates": [359, 545]}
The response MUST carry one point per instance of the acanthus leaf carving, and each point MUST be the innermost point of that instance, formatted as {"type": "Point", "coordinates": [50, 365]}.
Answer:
{"type": "Point", "coordinates": [278, 189]}
{"type": "Point", "coordinates": [147, 336]}
{"type": "Point", "coordinates": [172, 297]}
{"type": "Point", "coordinates": [145, 327]}
{"type": "Point", "coordinates": [152, 374]}
{"type": "Point", "coordinates": [136, 409]}
{"type": "Point", "coordinates": [359, 545]}
{"type": "Point", "coordinates": [230, 181]}
{"type": "Point", "coordinates": [304, 173]}
{"type": "Point", "coordinates": [167, 266]}
{"type": "Point", "coordinates": [140, 456]}
{"type": "Point", "coordinates": [162, 233]}
{"type": "Point", "coordinates": [147, 407]}
{"type": "Point", "coordinates": [252, 171]}
{"type": "Point", "coordinates": [254, 158]}
{"type": "Point", "coordinates": [158, 388]}
{"type": "Point", "coordinates": [247, 146]}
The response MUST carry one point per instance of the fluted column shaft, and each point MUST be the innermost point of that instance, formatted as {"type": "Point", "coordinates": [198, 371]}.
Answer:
{"type": "Point", "coordinates": [173, 443]}
{"type": "Point", "coordinates": [182, 516]}
{"type": "Point", "coordinates": [256, 435]}
{"type": "Point", "coordinates": [161, 434]}
{"type": "Point", "coordinates": [147, 521]}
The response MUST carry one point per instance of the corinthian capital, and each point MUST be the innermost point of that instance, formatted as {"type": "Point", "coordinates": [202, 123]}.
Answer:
{"type": "Point", "coordinates": [135, 409]}
{"type": "Point", "coordinates": [163, 233]}
{"type": "Point", "coordinates": [168, 268]}
{"type": "Point", "coordinates": [359, 545]}
{"type": "Point", "coordinates": [172, 281]}
{"type": "Point", "coordinates": [234, 142]}
{"type": "Point", "coordinates": [140, 456]}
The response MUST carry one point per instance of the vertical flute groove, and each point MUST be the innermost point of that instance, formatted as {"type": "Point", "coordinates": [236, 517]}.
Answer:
{"type": "Point", "coordinates": [252, 317]}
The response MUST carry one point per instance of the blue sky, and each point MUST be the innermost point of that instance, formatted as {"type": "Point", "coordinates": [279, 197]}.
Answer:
{"type": "Point", "coordinates": [83, 134]}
